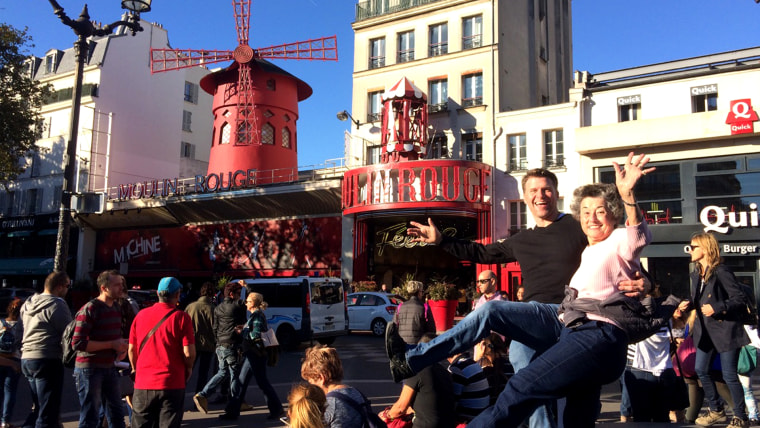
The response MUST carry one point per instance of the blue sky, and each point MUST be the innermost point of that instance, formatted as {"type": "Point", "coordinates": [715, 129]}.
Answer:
{"type": "Point", "coordinates": [607, 35]}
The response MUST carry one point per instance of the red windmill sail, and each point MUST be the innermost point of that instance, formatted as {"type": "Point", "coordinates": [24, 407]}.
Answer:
{"type": "Point", "coordinates": [322, 49]}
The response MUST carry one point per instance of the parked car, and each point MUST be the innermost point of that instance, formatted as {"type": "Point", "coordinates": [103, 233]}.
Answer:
{"type": "Point", "coordinates": [8, 294]}
{"type": "Point", "coordinates": [370, 310]}
{"type": "Point", "coordinates": [144, 298]}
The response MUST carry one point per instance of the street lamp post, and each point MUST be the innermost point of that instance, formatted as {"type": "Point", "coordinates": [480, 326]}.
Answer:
{"type": "Point", "coordinates": [83, 28]}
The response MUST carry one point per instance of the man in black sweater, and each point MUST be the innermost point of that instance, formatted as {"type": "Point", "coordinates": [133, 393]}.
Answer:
{"type": "Point", "coordinates": [548, 254]}
{"type": "Point", "coordinates": [228, 316]}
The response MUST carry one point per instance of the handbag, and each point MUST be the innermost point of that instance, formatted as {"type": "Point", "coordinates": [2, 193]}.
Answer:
{"type": "Point", "coordinates": [747, 360]}
{"type": "Point", "coordinates": [674, 385]}
{"type": "Point", "coordinates": [685, 357]}
{"type": "Point", "coordinates": [401, 421]}
{"type": "Point", "coordinates": [269, 338]}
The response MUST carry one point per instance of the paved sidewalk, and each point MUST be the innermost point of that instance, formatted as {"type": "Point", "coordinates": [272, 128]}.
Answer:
{"type": "Point", "coordinates": [258, 417]}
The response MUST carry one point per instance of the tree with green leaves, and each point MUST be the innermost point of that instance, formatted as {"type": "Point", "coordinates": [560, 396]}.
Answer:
{"type": "Point", "coordinates": [20, 101]}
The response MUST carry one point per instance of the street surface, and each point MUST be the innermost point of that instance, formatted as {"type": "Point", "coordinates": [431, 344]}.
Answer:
{"type": "Point", "coordinates": [365, 366]}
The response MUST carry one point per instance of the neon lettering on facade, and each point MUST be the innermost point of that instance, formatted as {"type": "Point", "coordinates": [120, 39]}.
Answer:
{"type": "Point", "coordinates": [429, 182]}
{"type": "Point", "coordinates": [714, 218]}
{"type": "Point", "coordinates": [396, 237]}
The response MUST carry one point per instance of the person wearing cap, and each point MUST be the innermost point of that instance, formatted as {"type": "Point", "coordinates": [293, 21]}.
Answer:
{"type": "Point", "coordinates": [163, 362]}
{"type": "Point", "coordinates": [98, 342]}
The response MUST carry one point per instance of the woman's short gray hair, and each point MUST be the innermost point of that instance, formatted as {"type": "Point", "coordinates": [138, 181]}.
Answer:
{"type": "Point", "coordinates": [606, 191]}
{"type": "Point", "coordinates": [414, 287]}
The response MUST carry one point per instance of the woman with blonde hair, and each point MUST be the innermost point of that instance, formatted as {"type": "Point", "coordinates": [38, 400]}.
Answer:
{"type": "Point", "coordinates": [255, 363]}
{"type": "Point", "coordinates": [718, 300]}
{"type": "Point", "coordinates": [306, 406]}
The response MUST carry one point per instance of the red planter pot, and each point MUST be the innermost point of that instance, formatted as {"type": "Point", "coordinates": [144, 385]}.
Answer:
{"type": "Point", "coordinates": [443, 313]}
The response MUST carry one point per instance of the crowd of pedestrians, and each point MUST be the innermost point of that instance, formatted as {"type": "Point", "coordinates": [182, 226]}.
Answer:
{"type": "Point", "coordinates": [577, 323]}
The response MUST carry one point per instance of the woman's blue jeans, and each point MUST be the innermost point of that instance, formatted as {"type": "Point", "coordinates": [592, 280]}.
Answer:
{"type": "Point", "coordinates": [256, 367]}
{"type": "Point", "coordinates": [9, 380]}
{"type": "Point", "coordinates": [728, 363]}
{"type": "Point", "coordinates": [572, 363]}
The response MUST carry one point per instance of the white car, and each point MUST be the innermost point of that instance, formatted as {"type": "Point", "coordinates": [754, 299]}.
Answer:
{"type": "Point", "coordinates": [369, 310]}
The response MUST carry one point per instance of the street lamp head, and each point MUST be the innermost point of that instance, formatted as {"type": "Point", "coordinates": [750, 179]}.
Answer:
{"type": "Point", "coordinates": [345, 115]}
{"type": "Point", "coordinates": [136, 6]}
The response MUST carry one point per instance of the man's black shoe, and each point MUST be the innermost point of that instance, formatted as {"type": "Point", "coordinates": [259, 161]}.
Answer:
{"type": "Point", "coordinates": [400, 369]}
{"type": "Point", "coordinates": [227, 417]}
{"type": "Point", "coordinates": [394, 344]}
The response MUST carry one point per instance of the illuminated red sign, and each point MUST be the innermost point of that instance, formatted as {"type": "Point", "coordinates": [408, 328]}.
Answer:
{"type": "Point", "coordinates": [741, 117]}
{"type": "Point", "coordinates": [439, 183]}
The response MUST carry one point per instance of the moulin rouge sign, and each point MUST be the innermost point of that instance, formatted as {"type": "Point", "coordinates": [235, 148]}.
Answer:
{"type": "Point", "coordinates": [449, 183]}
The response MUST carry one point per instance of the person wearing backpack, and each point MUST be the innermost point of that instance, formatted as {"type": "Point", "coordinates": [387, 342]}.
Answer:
{"type": "Point", "coordinates": [346, 405]}
{"type": "Point", "coordinates": [11, 331]}
{"type": "Point", "coordinates": [44, 317]}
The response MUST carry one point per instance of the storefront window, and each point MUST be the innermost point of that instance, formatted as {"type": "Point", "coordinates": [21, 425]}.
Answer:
{"type": "Point", "coordinates": [658, 193]}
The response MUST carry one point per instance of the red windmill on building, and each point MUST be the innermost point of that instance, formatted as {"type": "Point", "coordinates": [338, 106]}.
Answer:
{"type": "Point", "coordinates": [242, 88]}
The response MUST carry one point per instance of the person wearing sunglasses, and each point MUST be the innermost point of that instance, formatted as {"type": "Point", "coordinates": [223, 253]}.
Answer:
{"type": "Point", "coordinates": [487, 288]}
{"type": "Point", "coordinates": [718, 299]}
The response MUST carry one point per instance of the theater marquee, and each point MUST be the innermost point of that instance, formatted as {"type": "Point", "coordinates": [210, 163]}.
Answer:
{"type": "Point", "coordinates": [427, 183]}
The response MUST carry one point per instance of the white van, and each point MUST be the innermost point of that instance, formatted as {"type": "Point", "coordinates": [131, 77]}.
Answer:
{"type": "Point", "coordinates": [302, 308]}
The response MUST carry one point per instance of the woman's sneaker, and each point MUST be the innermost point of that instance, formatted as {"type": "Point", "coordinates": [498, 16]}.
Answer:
{"type": "Point", "coordinates": [710, 418]}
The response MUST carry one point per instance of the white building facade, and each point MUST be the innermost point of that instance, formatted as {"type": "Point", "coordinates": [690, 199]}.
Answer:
{"type": "Point", "coordinates": [134, 127]}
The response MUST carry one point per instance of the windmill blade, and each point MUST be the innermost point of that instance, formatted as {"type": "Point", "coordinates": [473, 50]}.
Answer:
{"type": "Point", "coordinates": [242, 19]}
{"type": "Point", "coordinates": [246, 117]}
{"type": "Point", "coordinates": [175, 59]}
{"type": "Point", "coordinates": [323, 49]}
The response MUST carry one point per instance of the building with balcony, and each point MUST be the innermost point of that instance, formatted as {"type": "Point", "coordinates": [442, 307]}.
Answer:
{"type": "Point", "coordinates": [473, 59]}
{"type": "Point", "coordinates": [134, 127]}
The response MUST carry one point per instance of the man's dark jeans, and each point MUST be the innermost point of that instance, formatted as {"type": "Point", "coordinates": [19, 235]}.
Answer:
{"type": "Point", "coordinates": [45, 378]}
{"type": "Point", "coordinates": [158, 408]}
{"type": "Point", "coordinates": [203, 361]}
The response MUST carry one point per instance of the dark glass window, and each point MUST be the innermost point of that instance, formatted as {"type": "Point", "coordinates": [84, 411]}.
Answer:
{"type": "Point", "coordinates": [725, 165]}
{"type": "Point", "coordinates": [753, 164]}
{"type": "Point", "coordinates": [658, 193]}
{"type": "Point", "coordinates": [728, 184]}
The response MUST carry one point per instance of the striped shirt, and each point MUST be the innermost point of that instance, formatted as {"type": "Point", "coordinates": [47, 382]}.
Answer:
{"type": "Point", "coordinates": [99, 322]}
{"type": "Point", "coordinates": [471, 388]}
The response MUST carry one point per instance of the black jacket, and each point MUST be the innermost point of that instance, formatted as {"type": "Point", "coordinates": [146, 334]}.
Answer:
{"type": "Point", "coordinates": [724, 294]}
{"type": "Point", "coordinates": [228, 315]}
{"type": "Point", "coordinates": [414, 319]}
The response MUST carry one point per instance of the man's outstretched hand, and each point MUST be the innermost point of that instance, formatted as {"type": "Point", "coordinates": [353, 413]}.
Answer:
{"type": "Point", "coordinates": [428, 234]}
{"type": "Point", "coordinates": [637, 287]}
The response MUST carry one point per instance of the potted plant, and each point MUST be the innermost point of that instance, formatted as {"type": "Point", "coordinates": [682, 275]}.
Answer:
{"type": "Point", "coordinates": [365, 286]}
{"type": "Point", "coordinates": [443, 298]}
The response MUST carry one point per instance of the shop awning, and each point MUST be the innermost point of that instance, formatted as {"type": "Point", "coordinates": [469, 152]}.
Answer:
{"type": "Point", "coordinates": [26, 266]}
